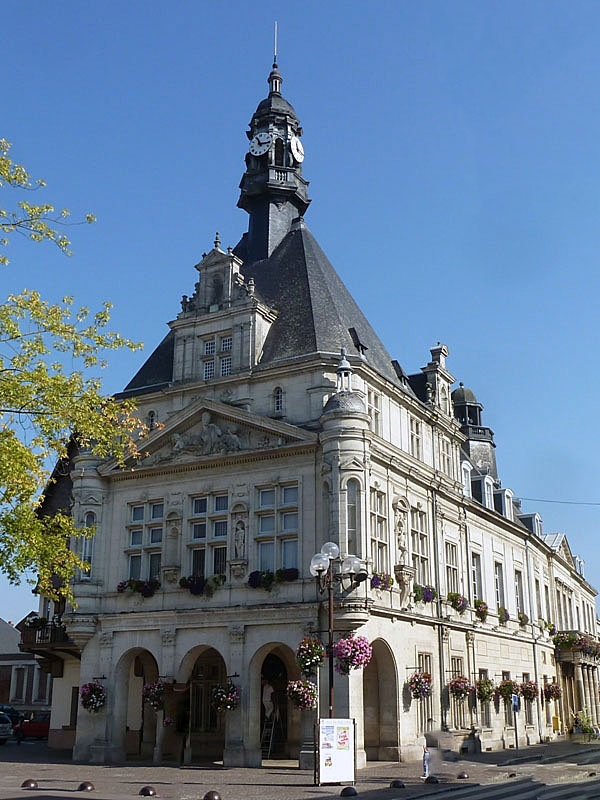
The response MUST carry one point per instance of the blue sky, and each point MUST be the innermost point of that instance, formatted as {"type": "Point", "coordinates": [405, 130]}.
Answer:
{"type": "Point", "coordinates": [452, 149]}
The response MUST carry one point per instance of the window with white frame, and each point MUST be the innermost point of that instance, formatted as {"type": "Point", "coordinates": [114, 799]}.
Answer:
{"type": "Point", "coordinates": [465, 472]}
{"type": "Point", "coordinates": [451, 567]}
{"type": "Point", "coordinates": [374, 410]}
{"type": "Point", "coordinates": [419, 541]}
{"type": "Point", "coordinates": [499, 585]}
{"type": "Point", "coordinates": [144, 540]}
{"type": "Point", "coordinates": [209, 369]}
{"type": "Point", "coordinates": [209, 347]}
{"type": "Point", "coordinates": [208, 534]}
{"type": "Point", "coordinates": [476, 580]}
{"type": "Point", "coordinates": [226, 343]}
{"type": "Point", "coordinates": [353, 515]}
{"type": "Point", "coordinates": [225, 366]}
{"type": "Point", "coordinates": [277, 527]}
{"type": "Point", "coordinates": [415, 429]}
{"type": "Point", "coordinates": [519, 595]}
{"type": "Point", "coordinates": [488, 492]}
{"type": "Point", "coordinates": [446, 455]}
{"type": "Point", "coordinates": [379, 531]}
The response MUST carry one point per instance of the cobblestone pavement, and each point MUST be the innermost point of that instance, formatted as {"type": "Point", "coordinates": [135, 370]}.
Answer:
{"type": "Point", "coordinates": [570, 771]}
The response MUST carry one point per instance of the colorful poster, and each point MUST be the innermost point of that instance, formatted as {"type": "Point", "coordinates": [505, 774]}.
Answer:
{"type": "Point", "coordinates": [336, 751]}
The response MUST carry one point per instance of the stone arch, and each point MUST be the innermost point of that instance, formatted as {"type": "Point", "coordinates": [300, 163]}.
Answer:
{"type": "Point", "coordinates": [274, 663]}
{"type": "Point", "coordinates": [133, 723]}
{"type": "Point", "coordinates": [380, 702]}
{"type": "Point", "coordinates": [197, 724]}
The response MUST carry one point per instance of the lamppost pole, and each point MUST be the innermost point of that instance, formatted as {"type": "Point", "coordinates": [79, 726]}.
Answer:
{"type": "Point", "coordinates": [330, 645]}
{"type": "Point", "coordinates": [321, 567]}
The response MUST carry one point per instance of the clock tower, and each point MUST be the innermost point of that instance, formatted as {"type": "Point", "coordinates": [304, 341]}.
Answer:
{"type": "Point", "coordinates": [273, 191]}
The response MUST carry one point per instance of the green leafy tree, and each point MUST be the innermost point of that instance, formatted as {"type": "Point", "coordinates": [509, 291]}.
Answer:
{"type": "Point", "coordinates": [48, 410]}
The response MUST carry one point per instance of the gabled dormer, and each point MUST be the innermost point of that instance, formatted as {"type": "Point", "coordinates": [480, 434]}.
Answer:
{"type": "Point", "coordinates": [222, 325]}
{"type": "Point", "coordinates": [439, 380]}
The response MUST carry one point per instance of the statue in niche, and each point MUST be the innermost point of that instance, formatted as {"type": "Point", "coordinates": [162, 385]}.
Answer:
{"type": "Point", "coordinates": [239, 539]}
{"type": "Point", "coordinates": [400, 512]}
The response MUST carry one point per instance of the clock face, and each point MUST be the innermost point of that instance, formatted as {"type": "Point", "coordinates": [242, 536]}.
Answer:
{"type": "Point", "coordinates": [260, 143]}
{"type": "Point", "coordinates": [297, 149]}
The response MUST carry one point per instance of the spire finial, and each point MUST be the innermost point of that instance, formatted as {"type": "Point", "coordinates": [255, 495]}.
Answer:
{"type": "Point", "coordinates": [275, 80]}
{"type": "Point", "coordinates": [275, 45]}
{"type": "Point", "coordinates": [217, 239]}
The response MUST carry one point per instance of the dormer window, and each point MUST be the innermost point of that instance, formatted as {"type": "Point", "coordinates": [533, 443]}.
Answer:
{"type": "Point", "coordinates": [278, 397]}
{"type": "Point", "coordinates": [488, 492]}
{"type": "Point", "coordinates": [465, 472]}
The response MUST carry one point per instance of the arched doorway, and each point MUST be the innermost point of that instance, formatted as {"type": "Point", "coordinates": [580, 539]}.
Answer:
{"type": "Point", "coordinates": [133, 721]}
{"type": "Point", "coordinates": [380, 702]}
{"type": "Point", "coordinates": [199, 727]}
{"type": "Point", "coordinates": [274, 707]}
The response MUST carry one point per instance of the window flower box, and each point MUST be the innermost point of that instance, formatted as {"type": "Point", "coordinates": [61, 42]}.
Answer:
{"type": "Point", "coordinates": [458, 602]}
{"type": "Point", "coordinates": [481, 610]}
{"type": "Point", "coordinates": [381, 580]}
{"type": "Point", "coordinates": [424, 594]}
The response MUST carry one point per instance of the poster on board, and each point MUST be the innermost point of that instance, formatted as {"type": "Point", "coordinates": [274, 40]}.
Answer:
{"type": "Point", "coordinates": [336, 751]}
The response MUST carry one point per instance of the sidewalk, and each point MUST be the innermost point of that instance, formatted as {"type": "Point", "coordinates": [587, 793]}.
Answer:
{"type": "Point", "coordinates": [276, 780]}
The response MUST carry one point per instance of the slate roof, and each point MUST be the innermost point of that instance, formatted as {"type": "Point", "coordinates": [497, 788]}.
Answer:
{"type": "Point", "coordinates": [317, 314]}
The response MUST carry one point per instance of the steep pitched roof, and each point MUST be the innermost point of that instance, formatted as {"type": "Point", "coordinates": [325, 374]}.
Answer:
{"type": "Point", "coordinates": [317, 312]}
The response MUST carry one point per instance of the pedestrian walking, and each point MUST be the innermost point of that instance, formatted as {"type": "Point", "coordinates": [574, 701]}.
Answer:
{"type": "Point", "coordinates": [18, 731]}
{"type": "Point", "coordinates": [426, 757]}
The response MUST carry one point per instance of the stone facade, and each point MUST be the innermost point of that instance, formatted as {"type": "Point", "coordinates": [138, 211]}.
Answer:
{"type": "Point", "coordinates": [264, 444]}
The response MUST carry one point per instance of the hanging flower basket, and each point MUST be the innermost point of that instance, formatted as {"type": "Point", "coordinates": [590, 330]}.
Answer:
{"type": "Point", "coordinates": [552, 691]}
{"type": "Point", "coordinates": [381, 580]}
{"type": "Point", "coordinates": [506, 689]}
{"type": "Point", "coordinates": [484, 690]}
{"type": "Point", "coordinates": [225, 698]}
{"type": "Point", "coordinates": [460, 687]}
{"type": "Point", "coordinates": [529, 690]}
{"type": "Point", "coordinates": [352, 652]}
{"type": "Point", "coordinates": [481, 610]}
{"type": "Point", "coordinates": [458, 602]}
{"type": "Point", "coordinates": [93, 696]}
{"type": "Point", "coordinates": [310, 655]}
{"type": "Point", "coordinates": [424, 594]}
{"type": "Point", "coordinates": [303, 694]}
{"type": "Point", "coordinates": [35, 623]}
{"type": "Point", "coordinates": [154, 695]}
{"type": "Point", "coordinates": [420, 685]}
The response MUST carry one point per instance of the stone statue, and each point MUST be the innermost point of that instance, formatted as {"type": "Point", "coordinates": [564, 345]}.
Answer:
{"type": "Point", "coordinates": [210, 435]}
{"type": "Point", "coordinates": [239, 539]}
{"type": "Point", "coordinates": [399, 529]}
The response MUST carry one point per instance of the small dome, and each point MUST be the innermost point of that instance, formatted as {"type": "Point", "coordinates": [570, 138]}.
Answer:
{"type": "Point", "coordinates": [463, 395]}
{"type": "Point", "coordinates": [349, 402]}
{"type": "Point", "coordinates": [274, 102]}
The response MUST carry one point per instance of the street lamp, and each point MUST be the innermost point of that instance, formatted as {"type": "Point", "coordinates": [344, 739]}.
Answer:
{"type": "Point", "coordinates": [350, 570]}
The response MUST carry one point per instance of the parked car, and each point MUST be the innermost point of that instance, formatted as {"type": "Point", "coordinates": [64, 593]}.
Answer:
{"type": "Point", "coordinates": [5, 728]}
{"type": "Point", "coordinates": [36, 725]}
{"type": "Point", "coordinates": [11, 712]}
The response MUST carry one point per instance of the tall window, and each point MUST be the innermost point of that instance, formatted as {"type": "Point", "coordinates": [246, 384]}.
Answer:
{"type": "Point", "coordinates": [528, 703]}
{"type": "Point", "coordinates": [445, 455]}
{"type": "Point", "coordinates": [499, 585]}
{"type": "Point", "coordinates": [509, 718]}
{"type": "Point", "coordinates": [144, 540]}
{"type": "Point", "coordinates": [519, 591]}
{"type": "Point", "coordinates": [538, 599]}
{"type": "Point", "coordinates": [353, 515]}
{"type": "Point", "coordinates": [277, 527]}
{"type": "Point", "coordinates": [419, 545]}
{"type": "Point", "coordinates": [425, 721]}
{"type": "Point", "coordinates": [484, 707]}
{"type": "Point", "coordinates": [278, 400]}
{"type": "Point", "coordinates": [379, 534]}
{"type": "Point", "coordinates": [466, 478]}
{"type": "Point", "coordinates": [87, 545]}
{"type": "Point", "coordinates": [458, 707]}
{"type": "Point", "coordinates": [208, 534]}
{"type": "Point", "coordinates": [415, 437]}
{"type": "Point", "coordinates": [374, 411]}
{"type": "Point", "coordinates": [488, 488]}
{"type": "Point", "coordinates": [451, 567]}
{"type": "Point", "coordinates": [476, 582]}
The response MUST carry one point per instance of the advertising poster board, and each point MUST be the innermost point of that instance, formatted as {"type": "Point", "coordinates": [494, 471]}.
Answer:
{"type": "Point", "coordinates": [336, 756]}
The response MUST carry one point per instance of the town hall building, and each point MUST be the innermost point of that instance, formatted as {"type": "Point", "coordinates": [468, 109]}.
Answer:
{"type": "Point", "coordinates": [278, 422]}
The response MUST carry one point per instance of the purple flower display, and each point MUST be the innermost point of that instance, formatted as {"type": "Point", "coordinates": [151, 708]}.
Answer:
{"type": "Point", "coordinates": [420, 685]}
{"type": "Point", "coordinates": [310, 655]}
{"type": "Point", "coordinates": [424, 594]}
{"type": "Point", "coordinates": [154, 695]}
{"type": "Point", "coordinates": [552, 691]}
{"type": "Point", "coordinates": [303, 694]}
{"type": "Point", "coordinates": [458, 602]}
{"type": "Point", "coordinates": [460, 687]}
{"type": "Point", "coordinates": [93, 696]}
{"type": "Point", "coordinates": [381, 580]}
{"type": "Point", "coordinates": [225, 698]}
{"type": "Point", "coordinates": [352, 652]}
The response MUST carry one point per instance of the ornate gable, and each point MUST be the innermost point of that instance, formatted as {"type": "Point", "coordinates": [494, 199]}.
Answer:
{"type": "Point", "coordinates": [207, 429]}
